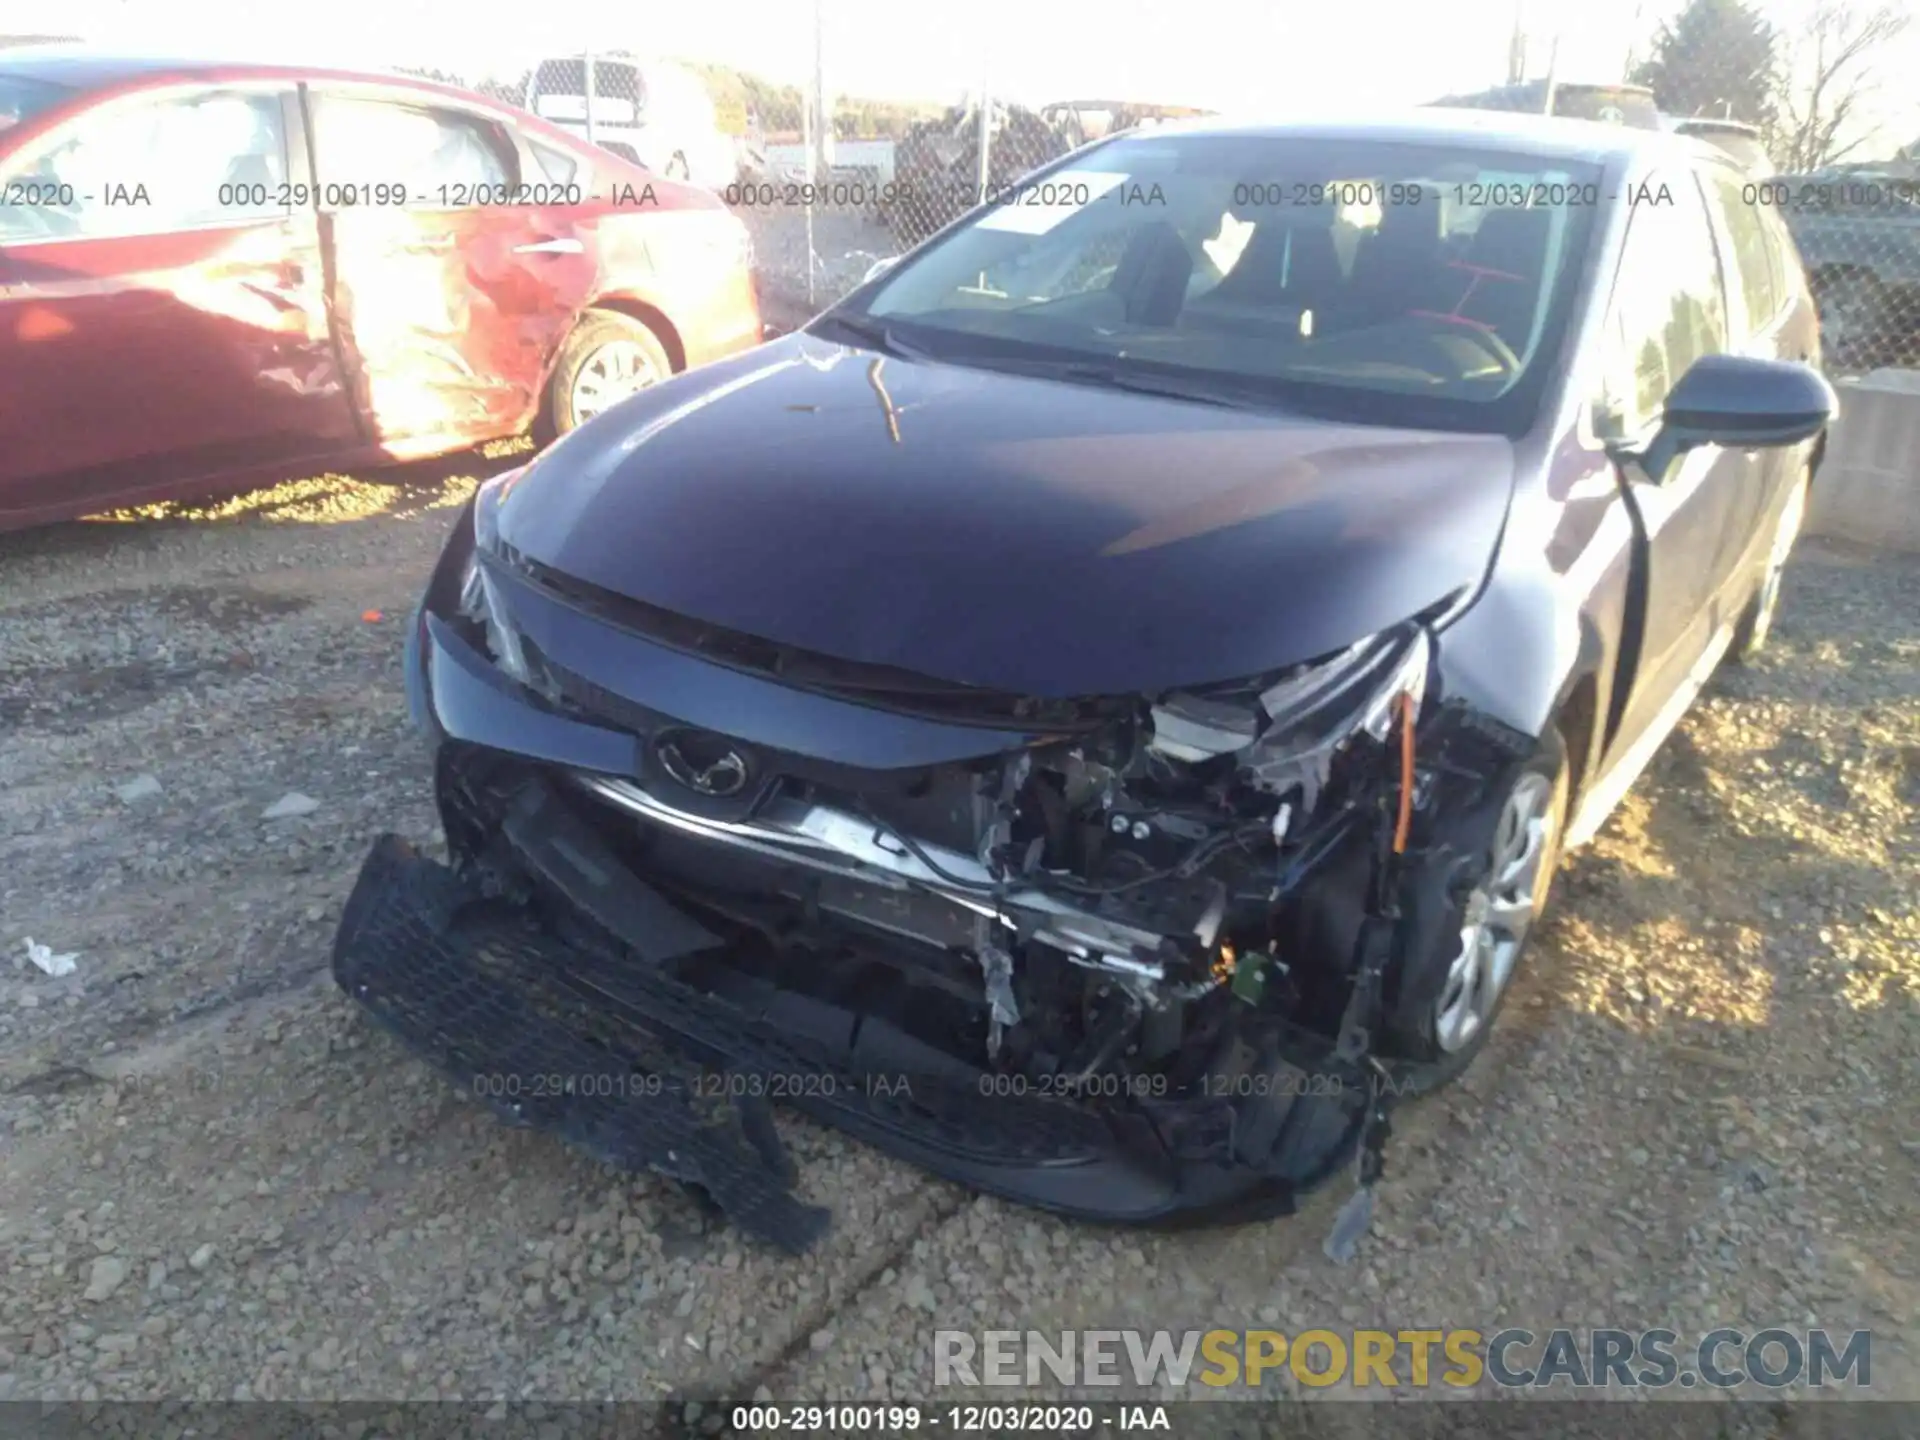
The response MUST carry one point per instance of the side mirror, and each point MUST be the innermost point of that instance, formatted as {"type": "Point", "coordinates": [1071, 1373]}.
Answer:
{"type": "Point", "coordinates": [1742, 404]}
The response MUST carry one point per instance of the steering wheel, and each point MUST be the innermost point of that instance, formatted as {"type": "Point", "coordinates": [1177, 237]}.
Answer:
{"type": "Point", "coordinates": [1486, 339]}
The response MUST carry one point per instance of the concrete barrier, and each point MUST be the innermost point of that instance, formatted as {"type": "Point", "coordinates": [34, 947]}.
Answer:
{"type": "Point", "coordinates": [1868, 488]}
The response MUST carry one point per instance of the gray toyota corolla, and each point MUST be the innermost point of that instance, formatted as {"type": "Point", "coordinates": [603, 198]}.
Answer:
{"type": "Point", "coordinates": [1097, 712]}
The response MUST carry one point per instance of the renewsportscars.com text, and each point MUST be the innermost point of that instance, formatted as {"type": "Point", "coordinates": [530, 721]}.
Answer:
{"type": "Point", "coordinates": [1724, 1359]}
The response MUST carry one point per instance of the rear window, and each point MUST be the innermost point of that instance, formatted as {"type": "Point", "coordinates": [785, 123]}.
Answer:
{"type": "Point", "coordinates": [557, 165]}
{"type": "Point", "coordinates": [21, 98]}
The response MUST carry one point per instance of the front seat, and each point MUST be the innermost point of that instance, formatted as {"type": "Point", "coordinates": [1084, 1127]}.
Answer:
{"type": "Point", "coordinates": [1283, 265]}
{"type": "Point", "coordinates": [1151, 278]}
{"type": "Point", "coordinates": [1259, 276]}
{"type": "Point", "coordinates": [253, 177]}
{"type": "Point", "coordinates": [1395, 268]}
{"type": "Point", "coordinates": [1502, 272]}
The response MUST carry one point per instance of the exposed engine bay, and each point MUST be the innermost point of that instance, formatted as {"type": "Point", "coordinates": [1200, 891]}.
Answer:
{"type": "Point", "coordinates": [1127, 957]}
{"type": "Point", "coordinates": [1095, 893]}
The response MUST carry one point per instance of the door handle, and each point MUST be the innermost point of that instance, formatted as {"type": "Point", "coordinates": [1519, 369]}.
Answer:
{"type": "Point", "coordinates": [551, 247]}
{"type": "Point", "coordinates": [280, 299]}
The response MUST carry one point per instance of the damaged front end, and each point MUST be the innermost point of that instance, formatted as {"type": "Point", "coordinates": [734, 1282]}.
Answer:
{"type": "Point", "coordinates": [1126, 958]}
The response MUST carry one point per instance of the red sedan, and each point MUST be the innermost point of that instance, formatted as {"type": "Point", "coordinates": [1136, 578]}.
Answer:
{"type": "Point", "coordinates": [213, 276]}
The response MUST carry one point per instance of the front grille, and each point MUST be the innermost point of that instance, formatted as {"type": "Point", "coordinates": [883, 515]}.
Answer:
{"type": "Point", "coordinates": [594, 702]}
{"type": "Point", "coordinates": [882, 686]}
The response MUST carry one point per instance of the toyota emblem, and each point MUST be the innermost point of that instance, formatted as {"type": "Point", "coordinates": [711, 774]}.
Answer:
{"type": "Point", "coordinates": [704, 764]}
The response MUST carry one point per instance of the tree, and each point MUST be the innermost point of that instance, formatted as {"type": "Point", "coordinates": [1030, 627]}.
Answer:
{"type": "Point", "coordinates": [1717, 58]}
{"type": "Point", "coordinates": [1836, 57]}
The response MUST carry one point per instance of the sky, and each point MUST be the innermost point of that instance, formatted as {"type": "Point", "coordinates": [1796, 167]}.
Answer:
{"type": "Point", "coordinates": [1261, 56]}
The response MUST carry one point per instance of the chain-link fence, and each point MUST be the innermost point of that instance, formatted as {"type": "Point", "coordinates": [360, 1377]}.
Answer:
{"type": "Point", "coordinates": [829, 188]}
{"type": "Point", "coordinates": [830, 184]}
{"type": "Point", "coordinates": [1858, 231]}
{"type": "Point", "coordinates": [1855, 223]}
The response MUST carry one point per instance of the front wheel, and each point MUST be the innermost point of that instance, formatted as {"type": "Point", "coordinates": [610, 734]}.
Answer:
{"type": "Point", "coordinates": [606, 359]}
{"type": "Point", "coordinates": [1467, 923]}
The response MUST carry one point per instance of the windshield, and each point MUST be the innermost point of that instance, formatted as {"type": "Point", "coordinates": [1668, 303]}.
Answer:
{"type": "Point", "coordinates": [1382, 282]}
{"type": "Point", "coordinates": [21, 99]}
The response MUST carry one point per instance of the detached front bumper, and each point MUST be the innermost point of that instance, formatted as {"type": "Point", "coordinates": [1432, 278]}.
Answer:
{"type": "Point", "coordinates": [559, 999]}
{"type": "Point", "coordinates": [607, 1051]}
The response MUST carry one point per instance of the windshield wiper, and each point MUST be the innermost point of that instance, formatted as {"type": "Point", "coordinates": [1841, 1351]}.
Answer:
{"type": "Point", "coordinates": [1226, 395]}
{"type": "Point", "coordinates": [875, 333]}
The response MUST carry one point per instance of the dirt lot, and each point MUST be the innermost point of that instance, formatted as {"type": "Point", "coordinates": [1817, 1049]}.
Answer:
{"type": "Point", "coordinates": [217, 1181]}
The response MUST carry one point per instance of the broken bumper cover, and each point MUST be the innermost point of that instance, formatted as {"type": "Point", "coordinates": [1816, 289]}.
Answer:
{"type": "Point", "coordinates": [646, 1073]}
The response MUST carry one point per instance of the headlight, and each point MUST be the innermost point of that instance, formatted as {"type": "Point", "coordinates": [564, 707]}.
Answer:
{"type": "Point", "coordinates": [1286, 737]}
{"type": "Point", "coordinates": [1357, 689]}
{"type": "Point", "coordinates": [486, 508]}
{"type": "Point", "coordinates": [473, 595]}
{"type": "Point", "coordinates": [479, 591]}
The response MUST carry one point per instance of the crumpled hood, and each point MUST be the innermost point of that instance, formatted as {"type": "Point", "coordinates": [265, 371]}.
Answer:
{"type": "Point", "coordinates": [1029, 535]}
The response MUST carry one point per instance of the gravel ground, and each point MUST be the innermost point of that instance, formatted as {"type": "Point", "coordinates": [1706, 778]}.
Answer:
{"type": "Point", "coordinates": [218, 1181]}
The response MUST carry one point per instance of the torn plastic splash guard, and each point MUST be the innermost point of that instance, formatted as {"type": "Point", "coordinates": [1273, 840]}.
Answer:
{"type": "Point", "coordinates": [646, 1073]}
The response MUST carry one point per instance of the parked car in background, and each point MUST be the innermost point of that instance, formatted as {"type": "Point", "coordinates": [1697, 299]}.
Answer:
{"type": "Point", "coordinates": [1610, 104]}
{"type": "Point", "coordinates": [651, 112]}
{"type": "Point", "coordinates": [1740, 140]}
{"type": "Point", "coordinates": [752, 164]}
{"type": "Point", "coordinates": [1122, 671]}
{"type": "Point", "coordinates": [213, 273]}
{"type": "Point", "coordinates": [1858, 230]}
{"type": "Point", "coordinates": [1082, 121]}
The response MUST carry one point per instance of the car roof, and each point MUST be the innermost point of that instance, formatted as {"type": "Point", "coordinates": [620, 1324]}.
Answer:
{"type": "Point", "coordinates": [1552, 137]}
{"type": "Point", "coordinates": [92, 67]}
{"type": "Point", "coordinates": [1705, 125]}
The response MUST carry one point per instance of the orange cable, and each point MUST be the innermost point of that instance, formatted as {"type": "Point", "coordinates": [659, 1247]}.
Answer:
{"type": "Point", "coordinates": [1405, 822]}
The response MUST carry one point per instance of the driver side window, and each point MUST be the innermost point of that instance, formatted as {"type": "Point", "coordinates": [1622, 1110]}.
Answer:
{"type": "Point", "coordinates": [147, 167]}
{"type": "Point", "coordinates": [1668, 306]}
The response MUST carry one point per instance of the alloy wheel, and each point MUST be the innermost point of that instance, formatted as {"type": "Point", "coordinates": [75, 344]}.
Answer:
{"type": "Point", "coordinates": [1502, 908]}
{"type": "Point", "coordinates": [609, 375]}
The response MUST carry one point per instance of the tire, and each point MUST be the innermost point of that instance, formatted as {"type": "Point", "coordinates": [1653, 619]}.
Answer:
{"type": "Point", "coordinates": [1757, 623]}
{"type": "Point", "coordinates": [606, 339]}
{"type": "Point", "coordinates": [1431, 1037]}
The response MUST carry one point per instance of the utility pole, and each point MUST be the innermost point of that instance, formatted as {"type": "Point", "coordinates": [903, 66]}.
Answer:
{"type": "Point", "coordinates": [811, 110]}
{"type": "Point", "coordinates": [1517, 45]}
{"type": "Point", "coordinates": [1553, 72]}
{"type": "Point", "coordinates": [818, 157]}
{"type": "Point", "coordinates": [986, 134]}
{"type": "Point", "coordinates": [586, 59]}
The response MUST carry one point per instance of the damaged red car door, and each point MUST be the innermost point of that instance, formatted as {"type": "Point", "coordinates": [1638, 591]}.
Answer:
{"type": "Point", "coordinates": [162, 311]}
{"type": "Point", "coordinates": [451, 296]}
